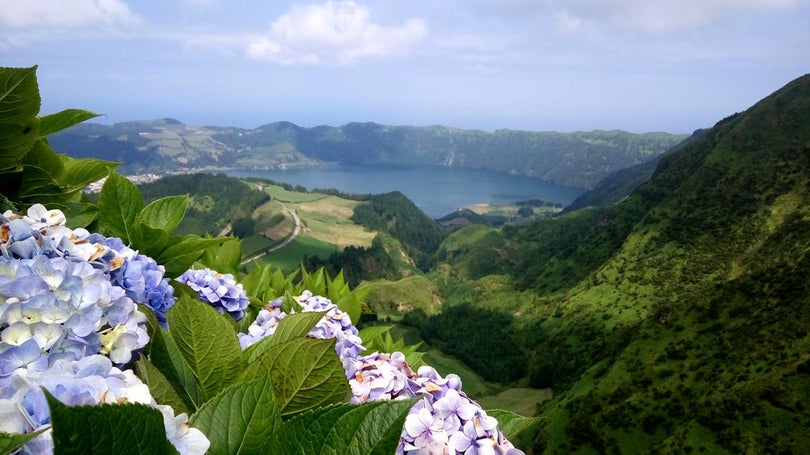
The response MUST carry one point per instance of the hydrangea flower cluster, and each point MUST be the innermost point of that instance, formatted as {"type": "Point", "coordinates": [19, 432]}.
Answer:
{"type": "Point", "coordinates": [85, 381]}
{"type": "Point", "coordinates": [219, 290]}
{"type": "Point", "coordinates": [66, 316]}
{"type": "Point", "coordinates": [52, 308]}
{"type": "Point", "coordinates": [444, 421]}
{"type": "Point", "coordinates": [43, 232]}
{"type": "Point", "coordinates": [335, 324]}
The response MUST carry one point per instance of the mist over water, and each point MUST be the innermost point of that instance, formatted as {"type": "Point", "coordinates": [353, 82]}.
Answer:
{"type": "Point", "coordinates": [437, 190]}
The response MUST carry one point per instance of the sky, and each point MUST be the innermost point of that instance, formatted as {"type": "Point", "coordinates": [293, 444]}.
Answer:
{"type": "Point", "coordinates": [539, 65]}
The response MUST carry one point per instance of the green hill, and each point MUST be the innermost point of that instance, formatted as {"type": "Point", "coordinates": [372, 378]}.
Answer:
{"type": "Point", "coordinates": [579, 159]}
{"type": "Point", "coordinates": [678, 319]}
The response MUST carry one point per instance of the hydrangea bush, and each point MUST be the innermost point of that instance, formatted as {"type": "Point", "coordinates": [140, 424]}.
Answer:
{"type": "Point", "coordinates": [92, 333]}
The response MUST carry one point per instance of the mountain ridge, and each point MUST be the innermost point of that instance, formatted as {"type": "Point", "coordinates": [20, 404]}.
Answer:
{"type": "Point", "coordinates": [578, 159]}
{"type": "Point", "coordinates": [677, 319]}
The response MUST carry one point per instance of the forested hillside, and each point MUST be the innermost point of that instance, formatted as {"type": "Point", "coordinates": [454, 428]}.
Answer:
{"type": "Point", "coordinates": [676, 320]}
{"type": "Point", "coordinates": [579, 159]}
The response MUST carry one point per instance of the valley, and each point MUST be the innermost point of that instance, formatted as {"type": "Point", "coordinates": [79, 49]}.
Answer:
{"type": "Point", "coordinates": [672, 319]}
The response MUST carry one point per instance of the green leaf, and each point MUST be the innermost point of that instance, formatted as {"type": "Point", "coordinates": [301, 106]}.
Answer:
{"type": "Point", "coordinates": [510, 423]}
{"type": "Point", "coordinates": [371, 333]}
{"type": "Point", "coordinates": [350, 304]}
{"type": "Point", "coordinates": [165, 213]}
{"type": "Point", "coordinates": [162, 390]}
{"type": "Point", "coordinates": [9, 442]}
{"type": "Point", "coordinates": [292, 326]}
{"type": "Point", "coordinates": [80, 172]}
{"type": "Point", "coordinates": [314, 282]}
{"type": "Point", "coordinates": [240, 419]}
{"type": "Point", "coordinates": [147, 240]}
{"type": "Point", "coordinates": [297, 325]}
{"type": "Point", "coordinates": [119, 203]}
{"type": "Point", "coordinates": [113, 428]}
{"type": "Point", "coordinates": [166, 356]}
{"type": "Point", "coordinates": [369, 428]}
{"type": "Point", "coordinates": [208, 343]}
{"type": "Point", "coordinates": [19, 103]}
{"type": "Point", "coordinates": [80, 214]}
{"type": "Point", "coordinates": [225, 258]}
{"type": "Point", "coordinates": [306, 373]}
{"type": "Point", "coordinates": [182, 252]}
{"type": "Point", "coordinates": [59, 121]}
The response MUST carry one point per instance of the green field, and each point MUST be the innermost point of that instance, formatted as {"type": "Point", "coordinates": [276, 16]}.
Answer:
{"type": "Point", "coordinates": [254, 244]}
{"type": "Point", "coordinates": [288, 259]}
{"type": "Point", "coordinates": [520, 400]}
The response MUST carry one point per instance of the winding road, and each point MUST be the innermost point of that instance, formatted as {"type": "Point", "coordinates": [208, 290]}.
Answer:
{"type": "Point", "coordinates": [287, 240]}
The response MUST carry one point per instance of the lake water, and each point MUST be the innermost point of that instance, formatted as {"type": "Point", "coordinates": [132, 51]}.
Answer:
{"type": "Point", "coordinates": [437, 190]}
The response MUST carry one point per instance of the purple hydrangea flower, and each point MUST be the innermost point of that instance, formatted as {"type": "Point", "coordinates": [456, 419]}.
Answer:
{"type": "Point", "coordinates": [219, 290]}
{"type": "Point", "coordinates": [90, 380]}
{"type": "Point", "coordinates": [335, 324]}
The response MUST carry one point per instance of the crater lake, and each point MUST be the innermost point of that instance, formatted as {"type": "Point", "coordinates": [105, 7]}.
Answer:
{"type": "Point", "coordinates": [437, 190]}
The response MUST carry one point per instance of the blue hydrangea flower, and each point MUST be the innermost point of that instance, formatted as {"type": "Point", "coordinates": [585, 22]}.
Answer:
{"type": "Point", "coordinates": [90, 380]}
{"type": "Point", "coordinates": [140, 276]}
{"type": "Point", "coordinates": [54, 308]}
{"type": "Point", "coordinates": [335, 324]}
{"type": "Point", "coordinates": [219, 290]}
{"type": "Point", "coordinates": [43, 232]}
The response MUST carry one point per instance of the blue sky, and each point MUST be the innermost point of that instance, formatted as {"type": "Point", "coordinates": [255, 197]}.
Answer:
{"type": "Point", "coordinates": [543, 65]}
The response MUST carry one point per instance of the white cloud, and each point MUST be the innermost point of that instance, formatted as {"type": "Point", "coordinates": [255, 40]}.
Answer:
{"type": "Point", "coordinates": [61, 14]}
{"type": "Point", "coordinates": [661, 15]}
{"type": "Point", "coordinates": [334, 33]}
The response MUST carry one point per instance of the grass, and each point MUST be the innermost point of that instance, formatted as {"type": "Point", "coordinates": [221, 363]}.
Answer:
{"type": "Point", "coordinates": [520, 400]}
{"type": "Point", "coordinates": [279, 193]}
{"type": "Point", "coordinates": [254, 244]}
{"type": "Point", "coordinates": [328, 219]}
{"type": "Point", "coordinates": [288, 259]}
{"type": "Point", "coordinates": [390, 299]}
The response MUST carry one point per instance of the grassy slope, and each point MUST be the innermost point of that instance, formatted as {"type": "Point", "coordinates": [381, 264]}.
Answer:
{"type": "Point", "coordinates": [702, 312]}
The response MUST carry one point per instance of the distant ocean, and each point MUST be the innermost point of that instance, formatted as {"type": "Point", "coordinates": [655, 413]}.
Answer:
{"type": "Point", "coordinates": [437, 190]}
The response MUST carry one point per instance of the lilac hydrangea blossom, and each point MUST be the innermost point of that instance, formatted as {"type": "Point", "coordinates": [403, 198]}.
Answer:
{"type": "Point", "coordinates": [335, 324]}
{"type": "Point", "coordinates": [43, 232]}
{"type": "Point", "coordinates": [53, 308]}
{"type": "Point", "coordinates": [219, 290]}
{"type": "Point", "coordinates": [90, 380]}
{"type": "Point", "coordinates": [444, 421]}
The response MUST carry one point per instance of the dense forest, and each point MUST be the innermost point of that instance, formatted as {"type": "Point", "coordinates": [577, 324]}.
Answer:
{"type": "Point", "coordinates": [218, 204]}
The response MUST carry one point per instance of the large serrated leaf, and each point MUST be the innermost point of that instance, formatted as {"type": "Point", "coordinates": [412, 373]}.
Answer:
{"type": "Point", "coordinates": [208, 343]}
{"type": "Point", "coordinates": [118, 203]}
{"type": "Point", "coordinates": [512, 424]}
{"type": "Point", "coordinates": [162, 390]}
{"type": "Point", "coordinates": [59, 121]}
{"type": "Point", "coordinates": [292, 326]}
{"type": "Point", "coordinates": [306, 374]}
{"type": "Point", "coordinates": [240, 419]}
{"type": "Point", "coordinates": [166, 356]}
{"type": "Point", "coordinates": [369, 428]}
{"type": "Point", "coordinates": [19, 104]}
{"type": "Point", "coordinates": [113, 428]}
{"type": "Point", "coordinates": [165, 213]}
